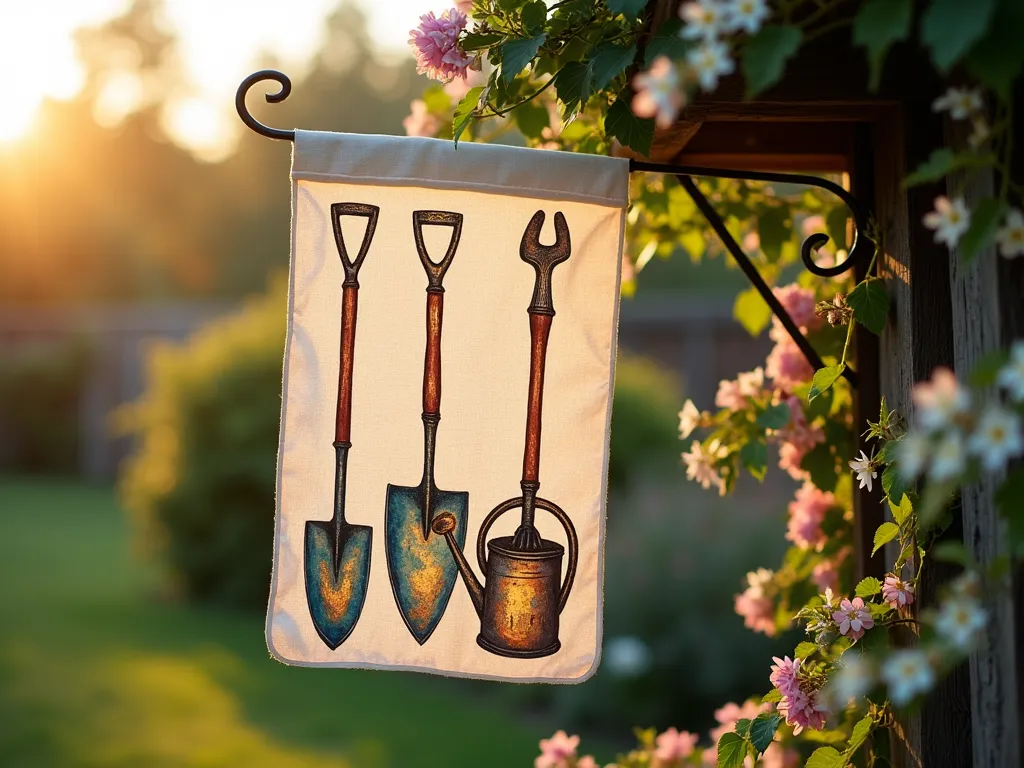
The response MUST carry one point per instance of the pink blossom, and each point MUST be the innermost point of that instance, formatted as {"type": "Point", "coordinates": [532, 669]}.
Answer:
{"type": "Point", "coordinates": [658, 94]}
{"type": "Point", "coordinates": [784, 675]}
{"type": "Point", "coordinates": [587, 761]}
{"type": "Point", "coordinates": [802, 710]}
{"type": "Point", "coordinates": [466, 6]}
{"type": "Point", "coordinates": [777, 756]}
{"type": "Point", "coordinates": [806, 513]}
{"type": "Point", "coordinates": [420, 121]}
{"type": "Point", "coordinates": [896, 592]}
{"type": "Point", "coordinates": [756, 607]}
{"type": "Point", "coordinates": [853, 618]}
{"type": "Point", "coordinates": [751, 383]}
{"type": "Point", "coordinates": [727, 718]}
{"type": "Point", "coordinates": [435, 44]}
{"type": "Point", "coordinates": [674, 745]}
{"type": "Point", "coordinates": [786, 365]}
{"type": "Point", "coordinates": [554, 752]}
{"type": "Point", "coordinates": [799, 304]}
{"type": "Point", "coordinates": [700, 464]}
{"type": "Point", "coordinates": [826, 575]}
{"type": "Point", "coordinates": [459, 87]}
{"type": "Point", "coordinates": [812, 224]}
{"type": "Point", "coordinates": [729, 395]}
{"type": "Point", "coordinates": [797, 439]}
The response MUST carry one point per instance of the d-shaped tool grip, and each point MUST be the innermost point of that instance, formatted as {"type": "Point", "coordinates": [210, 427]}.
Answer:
{"type": "Point", "coordinates": [436, 270]}
{"type": "Point", "coordinates": [544, 258]}
{"type": "Point", "coordinates": [370, 213]}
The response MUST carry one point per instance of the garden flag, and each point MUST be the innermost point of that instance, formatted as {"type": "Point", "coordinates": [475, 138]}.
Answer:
{"type": "Point", "coordinates": [448, 375]}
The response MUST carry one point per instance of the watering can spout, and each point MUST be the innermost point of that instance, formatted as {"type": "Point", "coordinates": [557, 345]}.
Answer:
{"type": "Point", "coordinates": [444, 524]}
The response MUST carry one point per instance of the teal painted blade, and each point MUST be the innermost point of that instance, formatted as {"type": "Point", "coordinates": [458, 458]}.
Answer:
{"type": "Point", "coordinates": [336, 592]}
{"type": "Point", "coordinates": [422, 570]}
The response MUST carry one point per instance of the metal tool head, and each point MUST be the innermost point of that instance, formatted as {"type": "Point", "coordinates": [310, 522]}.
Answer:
{"type": "Point", "coordinates": [420, 565]}
{"type": "Point", "coordinates": [544, 258]}
{"type": "Point", "coordinates": [336, 578]}
{"type": "Point", "coordinates": [364, 210]}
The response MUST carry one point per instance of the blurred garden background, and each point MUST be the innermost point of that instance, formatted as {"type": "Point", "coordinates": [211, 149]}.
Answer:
{"type": "Point", "coordinates": [143, 245]}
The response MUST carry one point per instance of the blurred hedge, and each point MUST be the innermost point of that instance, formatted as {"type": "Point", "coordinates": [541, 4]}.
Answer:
{"type": "Point", "coordinates": [200, 486]}
{"type": "Point", "coordinates": [41, 386]}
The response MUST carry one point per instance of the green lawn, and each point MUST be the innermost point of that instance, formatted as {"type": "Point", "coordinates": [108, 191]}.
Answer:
{"type": "Point", "coordinates": [94, 671]}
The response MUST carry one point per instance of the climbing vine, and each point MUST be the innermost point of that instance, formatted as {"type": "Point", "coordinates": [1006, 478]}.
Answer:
{"type": "Point", "coordinates": [601, 76]}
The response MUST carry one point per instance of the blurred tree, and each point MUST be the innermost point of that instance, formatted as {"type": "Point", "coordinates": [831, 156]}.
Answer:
{"type": "Point", "coordinates": [102, 206]}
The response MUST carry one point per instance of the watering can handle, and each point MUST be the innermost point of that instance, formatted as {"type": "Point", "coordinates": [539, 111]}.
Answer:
{"type": "Point", "coordinates": [570, 534]}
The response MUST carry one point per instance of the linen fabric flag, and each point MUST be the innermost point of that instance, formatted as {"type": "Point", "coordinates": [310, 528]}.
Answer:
{"type": "Point", "coordinates": [448, 375]}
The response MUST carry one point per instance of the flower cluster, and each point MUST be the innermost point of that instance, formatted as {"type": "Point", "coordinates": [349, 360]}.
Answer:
{"type": "Point", "coordinates": [949, 430]}
{"type": "Point", "coordinates": [560, 752]}
{"type": "Point", "coordinates": [659, 92]}
{"type": "Point", "coordinates": [435, 44]}
{"type": "Point", "coordinates": [755, 603]}
{"type": "Point", "coordinates": [800, 704]}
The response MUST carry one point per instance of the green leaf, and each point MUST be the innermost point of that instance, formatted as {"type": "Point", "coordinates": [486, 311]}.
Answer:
{"type": "Point", "coordinates": [885, 533]}
{"type": "Point", "coordinates": [517, 54]}
{"type": "Point", "coordinates": [765, 56]}
{"type": "Point", "coordinates": [752, 312]}
{"type": "Point", "coordinates": [1010, 502]}
{"type": "Point", "coordinates": [732, 749]}
{"type": "Point", "coordinates": [870, 304]}
{"type": "Point", "coordinates": [868, 587]}
{"type": "Point", "coordinates": [531, 119]}
{"type": "Point", "coordinates": [804, 649]}
{"type": "Point", "coordinates": [573, 85]}
{"type": "Point", "coordinates": [951, 552]}
{"type": "Point", "coordinates": [774, 416]}
{"type": "Point", "coordinates": [821, 465]}
{"type": "Point", "coordinates": [628, 8]}
{"type": "Point", "coordinates": [942, 162]}
{"type": "Point", "coordinates": [835, 225]}
{"type": "Point", "coordinates": [986, 370]}
{"type": "Point", "coordinates": [631, 131]}
{"type": "Point", "coordinates": [934, 500]}
{"type": "Point", "coordinates": [754, 457]}
{"type": "Point", "coordinates": [878, 25]}
{"type": "Point", "coordinates": [763, 729]}
{"type": "Point", "coordinates": [666, 42]}
{"type": "Point", "coordinates": [772, 696]}
{"type": "Point", "coordinates": [950, 27]}
{"type": "Point", "coordinates": [774, 229]}
{"type": "Point", "coordinates": [608, 61]}
{"type": "Point", "coordinates": [824, 378]}
{"type": "Point", "coordinates": [475, 41]}
{"type": "Point", "coordinates": [985, 220]}
{"type": "Point", "coordinates": [825, 757]}
{"type": "Point", "coordinates": [892, 481]}
{"type": "Point", "coordinates": [534, 16]}
{"type": "Point", "coordinates": [464, 112]}
{"type": "Point", "coordinates": [997, 58]}
{"type": "Point", "coordinates": [743, 726]}
{"type": "Point", "coordinates": [436, 99]}
{"type": "Point", "coordinates": [901, 511]}
{"type": "Point", "coordinates": [860, 734]}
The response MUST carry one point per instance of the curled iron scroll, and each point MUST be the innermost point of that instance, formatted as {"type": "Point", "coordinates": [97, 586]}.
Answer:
{"type": "Point", "coordinates": [274, 98]}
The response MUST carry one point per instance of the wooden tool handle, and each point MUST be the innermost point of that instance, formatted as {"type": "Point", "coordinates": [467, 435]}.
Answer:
{"type": "Point", "coordinates": [432, 363]}
{"type": "Point", "coordinates": [349, 301]}
{"type": "Point", "coordinates": [540, 327]}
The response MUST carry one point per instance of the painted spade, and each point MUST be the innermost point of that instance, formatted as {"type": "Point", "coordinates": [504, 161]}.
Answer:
{"type": "Point", "coordinates": [521, 599]}
{"type": "Point", "coordinates": [337, 554]}
{"type": "Point", "coordinates": [422, 571]}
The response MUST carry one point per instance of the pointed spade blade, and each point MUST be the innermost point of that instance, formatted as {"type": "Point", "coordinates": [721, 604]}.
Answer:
{"type": "Point", "coordinates": [335, 592]}
{"type": "Point", "coordinates": [422, 570]}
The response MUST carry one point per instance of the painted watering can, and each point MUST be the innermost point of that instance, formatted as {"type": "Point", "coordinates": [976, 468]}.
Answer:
{"type": "Point", "coordinates": [521, 601]}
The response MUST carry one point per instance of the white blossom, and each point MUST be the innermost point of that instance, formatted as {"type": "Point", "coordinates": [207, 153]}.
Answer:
{"type": "Point", "coordinates": [950, 456]}
{"type": "Point", "coordinates": [1011, 375]}
{"type": "Point", "coordinates": [703, 19]}
{"type": "Point", "coordinates": [1010, 237]}
{"type": "Point", "coordinates": [940, 401]}
{"type": "Point", "coordinates": [689, 419]}
{"type": "Point", "coordinates": [862, 468]}
{"type": "Point", "coordinates": [853, 678]}
{"type": "Point", "coordinates": [751, 382]}
{"type": "Point", "coordinates": [709, 61]}
{"type": "Point", "coordinates": [657, 92]}
{"type": "Point", "coordinates": [746, 15]}
{"type": "Point", "coordinates": [950, 220]}
{"type": "Point", "coordinates": [913, 452]}
{"type": "Point", "coordinates": [700, 464]}
{"type": "Point", "coordinates": [960, 622]}
{"type": "Point", "coordinates": [907, 673]}
{"type": "Point", "coordinates": [961, 103]}
{"type": "Point", "coordinates": [997, 438]}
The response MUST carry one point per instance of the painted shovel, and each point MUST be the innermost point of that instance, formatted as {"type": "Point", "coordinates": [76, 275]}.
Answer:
{"type": "Point", "coordinates": [337, 553]}
{"type": "Point", "coordinates": [421, 567]}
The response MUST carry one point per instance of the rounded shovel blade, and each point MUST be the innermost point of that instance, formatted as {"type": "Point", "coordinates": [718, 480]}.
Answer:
{"type": "Point", "coordinates": [335, 590]}
{"type": "Point", "coordinates": [422, 570]}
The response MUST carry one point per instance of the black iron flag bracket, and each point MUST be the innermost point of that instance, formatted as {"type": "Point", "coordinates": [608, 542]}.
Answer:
{"type": "Point", "coordinates": [859, 250]}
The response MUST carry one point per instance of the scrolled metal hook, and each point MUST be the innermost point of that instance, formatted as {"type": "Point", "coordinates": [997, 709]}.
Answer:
{"type": "Point", "coordinates": [273, 98]}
